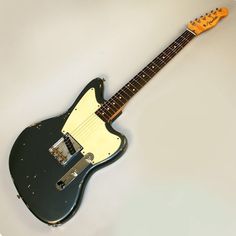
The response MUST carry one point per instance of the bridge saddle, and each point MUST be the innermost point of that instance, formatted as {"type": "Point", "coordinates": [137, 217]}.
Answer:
{"type": "Point", "coordinates": [65, 148]}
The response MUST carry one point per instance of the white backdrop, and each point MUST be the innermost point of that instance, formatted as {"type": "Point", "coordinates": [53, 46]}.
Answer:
{"type": "Point", "coordinates": [178, 176]}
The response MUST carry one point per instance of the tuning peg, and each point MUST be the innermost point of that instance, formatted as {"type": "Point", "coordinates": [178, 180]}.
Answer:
{"type": "Point", "coordinates": [212, 11]}
{"type": "Point", "coordinates": [217, 9]}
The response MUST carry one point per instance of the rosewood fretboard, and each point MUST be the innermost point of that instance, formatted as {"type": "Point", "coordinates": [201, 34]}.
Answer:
{"type": "Point", "coordinates": [111, 108]}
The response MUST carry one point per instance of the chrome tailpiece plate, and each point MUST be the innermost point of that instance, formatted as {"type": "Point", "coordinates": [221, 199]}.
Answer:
{"type": "Point", "coordinates": [65, 148]}
{"type": "Point", "coordinates": [77, 169]}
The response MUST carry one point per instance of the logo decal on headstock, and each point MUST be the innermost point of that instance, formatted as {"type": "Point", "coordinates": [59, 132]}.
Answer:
{"type": "Point", "coordinates": [208, 21]}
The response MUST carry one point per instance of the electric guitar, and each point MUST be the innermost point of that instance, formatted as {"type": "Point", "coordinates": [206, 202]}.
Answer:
{"type": "Point", "coordinates": [51, 161]}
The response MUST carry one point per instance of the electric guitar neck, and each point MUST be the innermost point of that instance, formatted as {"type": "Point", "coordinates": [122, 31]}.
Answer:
{"type": "Point", "coordinates": [112, 108]}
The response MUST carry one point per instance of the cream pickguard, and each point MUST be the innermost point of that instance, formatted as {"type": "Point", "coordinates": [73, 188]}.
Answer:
{"type": "Point", "coordinates": [89, 130]}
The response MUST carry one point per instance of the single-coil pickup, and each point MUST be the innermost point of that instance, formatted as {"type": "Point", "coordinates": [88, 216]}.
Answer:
{"type": "Point", "coordinates": [69, 145]}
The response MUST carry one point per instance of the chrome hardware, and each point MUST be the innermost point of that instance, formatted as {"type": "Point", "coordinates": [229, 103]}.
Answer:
{"type": "Point", "coordinates": [65, 148]}
{"type": "Point", "coordinates": [84, 162]}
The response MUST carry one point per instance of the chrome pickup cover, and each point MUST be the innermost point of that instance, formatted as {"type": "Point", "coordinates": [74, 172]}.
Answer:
{"type": "Point", "coordinates": [65, 148]}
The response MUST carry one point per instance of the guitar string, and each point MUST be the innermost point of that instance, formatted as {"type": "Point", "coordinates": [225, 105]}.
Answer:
{"type": "Point", "coordinates": [89, 122]}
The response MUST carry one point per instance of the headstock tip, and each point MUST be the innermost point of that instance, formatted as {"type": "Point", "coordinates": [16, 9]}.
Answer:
{"type": "Point", "coordinates": [208, 21]}
{"type": "Point", "coordinates": [223, 11]}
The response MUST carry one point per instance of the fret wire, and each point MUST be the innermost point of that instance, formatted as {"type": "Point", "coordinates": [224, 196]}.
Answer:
{"type": "Point", "coordinates": [162, 60]}
{"type": "Point", "coordinates": [156, 64]}
{"type": "Point", "coordinates": [123, 90]}
{"type": "Point", "coordinates": [136, 81]}
{"type": "Point", "coordinates": [161, 65]}
{"type": "Point", "coordinates": [168, 55]}
{"type": "Point", "coordinates": [134, 90]}
{"type": "Point", "coordinates": [129, 89]}
{"type": "Point", "coordinates": [159, 62]}
{"type": "Point", "coordinates": [182, 41]}
{"type": "Point", "coordinates": [115, 104]}
{"type": "Point", "coordinates": [125, 95]}
{"type": "Point", "coordinates": [110, 107]}
{"type": "Point", "coordinates": [163, 57]}
{"type": "Point", "coordinates": [151, 70]}
{"type": "Point", "coordinates": [101, 109]}
{"type": "Point", "coordinates": [145, 73]}
{"type": "Point", "coordinates": [142, 78]}
{"type": "Point", "coordinates": [173, 49]}
{"type": "Point", "coordinates": [135, 86]}
{"type": "Point", "coordinates": [169, 52]}
{"type": "Point", "coordinates": [178, 43]}
{"type": "Point", "coordinates": [190, 33]}
{"type": "Point", "coordinates": [107, 109]}
{"type": "Point", "coordinates": [186, 33]}
{"type": "Point", "coordinates": [153, 66]}
{"type": "Point", "coordinates": [176, 47]}
{"type": "Point", "coordinates": [106, 104]}
{"type": "Point", "coordinates": [119, 98]}
{"type": "Point", "coordinates": [103, 114]}
{"type": "Point", "coordinates": [148, 71]}
{"type": "Point", "coordinates": [184, 38]}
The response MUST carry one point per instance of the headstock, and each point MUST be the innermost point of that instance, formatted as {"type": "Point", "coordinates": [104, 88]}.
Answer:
{"type": "Point", "coordinates": [207, 21]}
